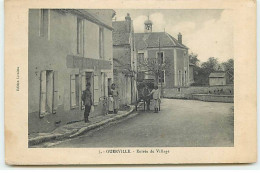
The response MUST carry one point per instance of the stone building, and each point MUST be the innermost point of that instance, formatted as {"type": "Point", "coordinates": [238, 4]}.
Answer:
{"type": "Point", "coordinates": [163, 46]}
{"type": "Point", "coordinates": [67, 49]}
{"type": "Point", "coordinates": [124, 60]}
{"type": "Point", "coordinates": [218, 78]}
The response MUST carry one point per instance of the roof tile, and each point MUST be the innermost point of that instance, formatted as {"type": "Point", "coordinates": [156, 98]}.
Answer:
{"type": "Point", "coordinates": [217, 74]}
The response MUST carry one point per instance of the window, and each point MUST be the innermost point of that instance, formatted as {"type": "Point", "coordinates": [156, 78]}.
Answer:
{"type": "Point", "coordinates": [79, 35]}
{"type": "Point", "coordinates": [160, 57]}
{"type": "Point", "coordinates": [185, 78]}
{"type": "Point", "coordinates": [101, 42]}
{"type": "Point", "coordinates": [48, 92]}
{"type": "Point", "coordinates": [179, 78]}
{"type": "Point", "coordinates": [44, 22]}
{"type": "Point", "coordinates": [103, 84]}
{"type": "Point", "coordinates": [162, 77]}
{"type": "Point", "coordinates": [141, 58]}
{"type": "Point", "coordinates": [74, 91]}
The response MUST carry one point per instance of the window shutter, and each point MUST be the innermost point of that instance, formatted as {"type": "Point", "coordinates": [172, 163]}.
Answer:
{"type": "Point", "coordinates": [72, 91]}
{"type": "Point", "coordinates": [43, 94]}
{"type": "Point", "coordinates": [96, 90]}
{"type": "Point", "coordinates": [77, 90]}
{"type": "Point", "coordinates": [55, 92]}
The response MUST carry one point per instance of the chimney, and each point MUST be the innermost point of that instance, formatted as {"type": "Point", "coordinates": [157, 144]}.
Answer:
{"type": "Point", "coordinates": [128, 21]}
{"type": "Point", "coordinates": [180, 38]}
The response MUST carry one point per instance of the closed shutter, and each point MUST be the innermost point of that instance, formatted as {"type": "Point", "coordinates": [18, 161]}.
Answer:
{"type": "Point", "coordinates": [43, 94]}
{"type": "Point", "coordinates": [77, 89]}
{"type": "Point", "coordinates": [72, 91]}
{"type": "Point", "coordinates": [96, 90]}
{"type": "Point", "coordinates": [55, 92]}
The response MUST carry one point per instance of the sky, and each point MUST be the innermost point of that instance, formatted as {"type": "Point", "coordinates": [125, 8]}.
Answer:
{"type": "Point", "coordinates": [208, 33]}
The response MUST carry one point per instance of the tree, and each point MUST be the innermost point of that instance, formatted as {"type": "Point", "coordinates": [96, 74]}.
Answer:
{"type": "Point", "coordinates": [228, 66]}
{"type": "Point", "coordinates": [201, 73]}
{"type": "Point", "coordinates": [194, 59]}
{"type": "Point", "coordinates": [211, 65]}
{"type": "Point", "coordinates": [153, 67]}
{"type": "Point", "coordinates": [208, 67]}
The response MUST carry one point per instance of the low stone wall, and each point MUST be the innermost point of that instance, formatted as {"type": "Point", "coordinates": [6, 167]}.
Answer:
{"type": "Point", "coordinates": [214, 98]}
{"type": "Point", "coordinates": [187, 92]}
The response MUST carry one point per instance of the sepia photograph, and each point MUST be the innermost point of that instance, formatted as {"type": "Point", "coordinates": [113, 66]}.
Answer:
{"type": "Point", "coordinates": [130, 78]}
{"type": "Point", "coordinates": [130, 82]}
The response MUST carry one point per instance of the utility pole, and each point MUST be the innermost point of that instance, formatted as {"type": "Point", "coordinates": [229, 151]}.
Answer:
{"type": "Point", "coordinates": [160, 71]}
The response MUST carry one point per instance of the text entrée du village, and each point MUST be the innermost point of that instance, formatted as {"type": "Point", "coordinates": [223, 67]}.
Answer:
{"type": "Point", "coordinates": [137, 151]}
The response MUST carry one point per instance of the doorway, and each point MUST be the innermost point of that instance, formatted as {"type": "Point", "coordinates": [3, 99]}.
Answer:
{"type": "Point", "coordinates": [90, 79]}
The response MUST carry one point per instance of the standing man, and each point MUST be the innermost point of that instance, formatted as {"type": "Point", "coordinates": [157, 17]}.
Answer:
{"type": "Point", "coordinates": [115, 94]}
{"type": "Point", "coordinates": [87, 100]}
{"type": "Point", "coordinates": [146, 96]}
{"type": "Point", "coordinates": [156, 98]}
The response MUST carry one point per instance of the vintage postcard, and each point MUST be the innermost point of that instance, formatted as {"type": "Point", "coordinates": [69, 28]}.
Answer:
{"type": "Point", "coordinates": [130, 82]}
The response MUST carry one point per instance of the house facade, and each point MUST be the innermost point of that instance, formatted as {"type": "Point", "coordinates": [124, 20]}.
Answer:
{"type": "Point", "coordinates": [168, 50]}
{"type": "Point", "coordinates": [67, 49]}
{"type": "Point", "coordinates": [124, 60]}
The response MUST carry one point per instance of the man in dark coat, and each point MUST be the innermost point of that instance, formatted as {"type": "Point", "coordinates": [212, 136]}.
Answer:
{"type": "Point", "coordinates": [87, 100]}
{"type": "Point", "coordinates": [146, 96]}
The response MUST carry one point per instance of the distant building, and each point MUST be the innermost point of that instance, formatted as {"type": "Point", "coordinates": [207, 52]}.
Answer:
{"type": "Point", "coordinates": [124, 60]}
{"type": "Point", "coordinates": [217, 78]}
{"type": "Point", "coordinates": [172, 51]}
{"type": "Point", "coordinates": [67, 49]}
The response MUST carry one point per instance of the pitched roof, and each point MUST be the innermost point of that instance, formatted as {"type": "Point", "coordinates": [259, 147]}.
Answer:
{"type": "Point", "coordinates": [217, 74]}
{"type": "Point", "coordinates": [120, 34]}
{"type": "Point", "coordinates": [151, 40]}
{"type": "Point", "coordinates": [119, 26]}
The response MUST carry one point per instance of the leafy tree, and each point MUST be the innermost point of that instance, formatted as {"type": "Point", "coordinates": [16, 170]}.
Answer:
{"type": "Point", "coordinates": [208, 67]}
{"type": "Point", "coordinates": [211, 65]}
{"type": "Point", "coordinates": [201, 73]}
{"type": "Point", "coordinates": [194, 59]}
{"type": "Point", "coordinates": [228, 66]}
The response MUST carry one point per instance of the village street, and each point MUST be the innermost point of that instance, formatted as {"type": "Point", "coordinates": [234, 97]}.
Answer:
{"type": "Point", "coordinates": [180, 123]}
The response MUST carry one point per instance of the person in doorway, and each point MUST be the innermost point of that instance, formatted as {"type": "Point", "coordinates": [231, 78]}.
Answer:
{"type": "Point", "coordinates": [115, 94]}
{"type": "Point", "coordinates": [156, 98]}
{"type": "Point", "coordinates": [146, 96]}
{"type": "Point", "coordinates": [87, 100]}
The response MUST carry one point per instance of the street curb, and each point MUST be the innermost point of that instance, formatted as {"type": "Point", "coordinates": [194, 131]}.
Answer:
{"type": "Point", "coordinates": [76, 132]}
